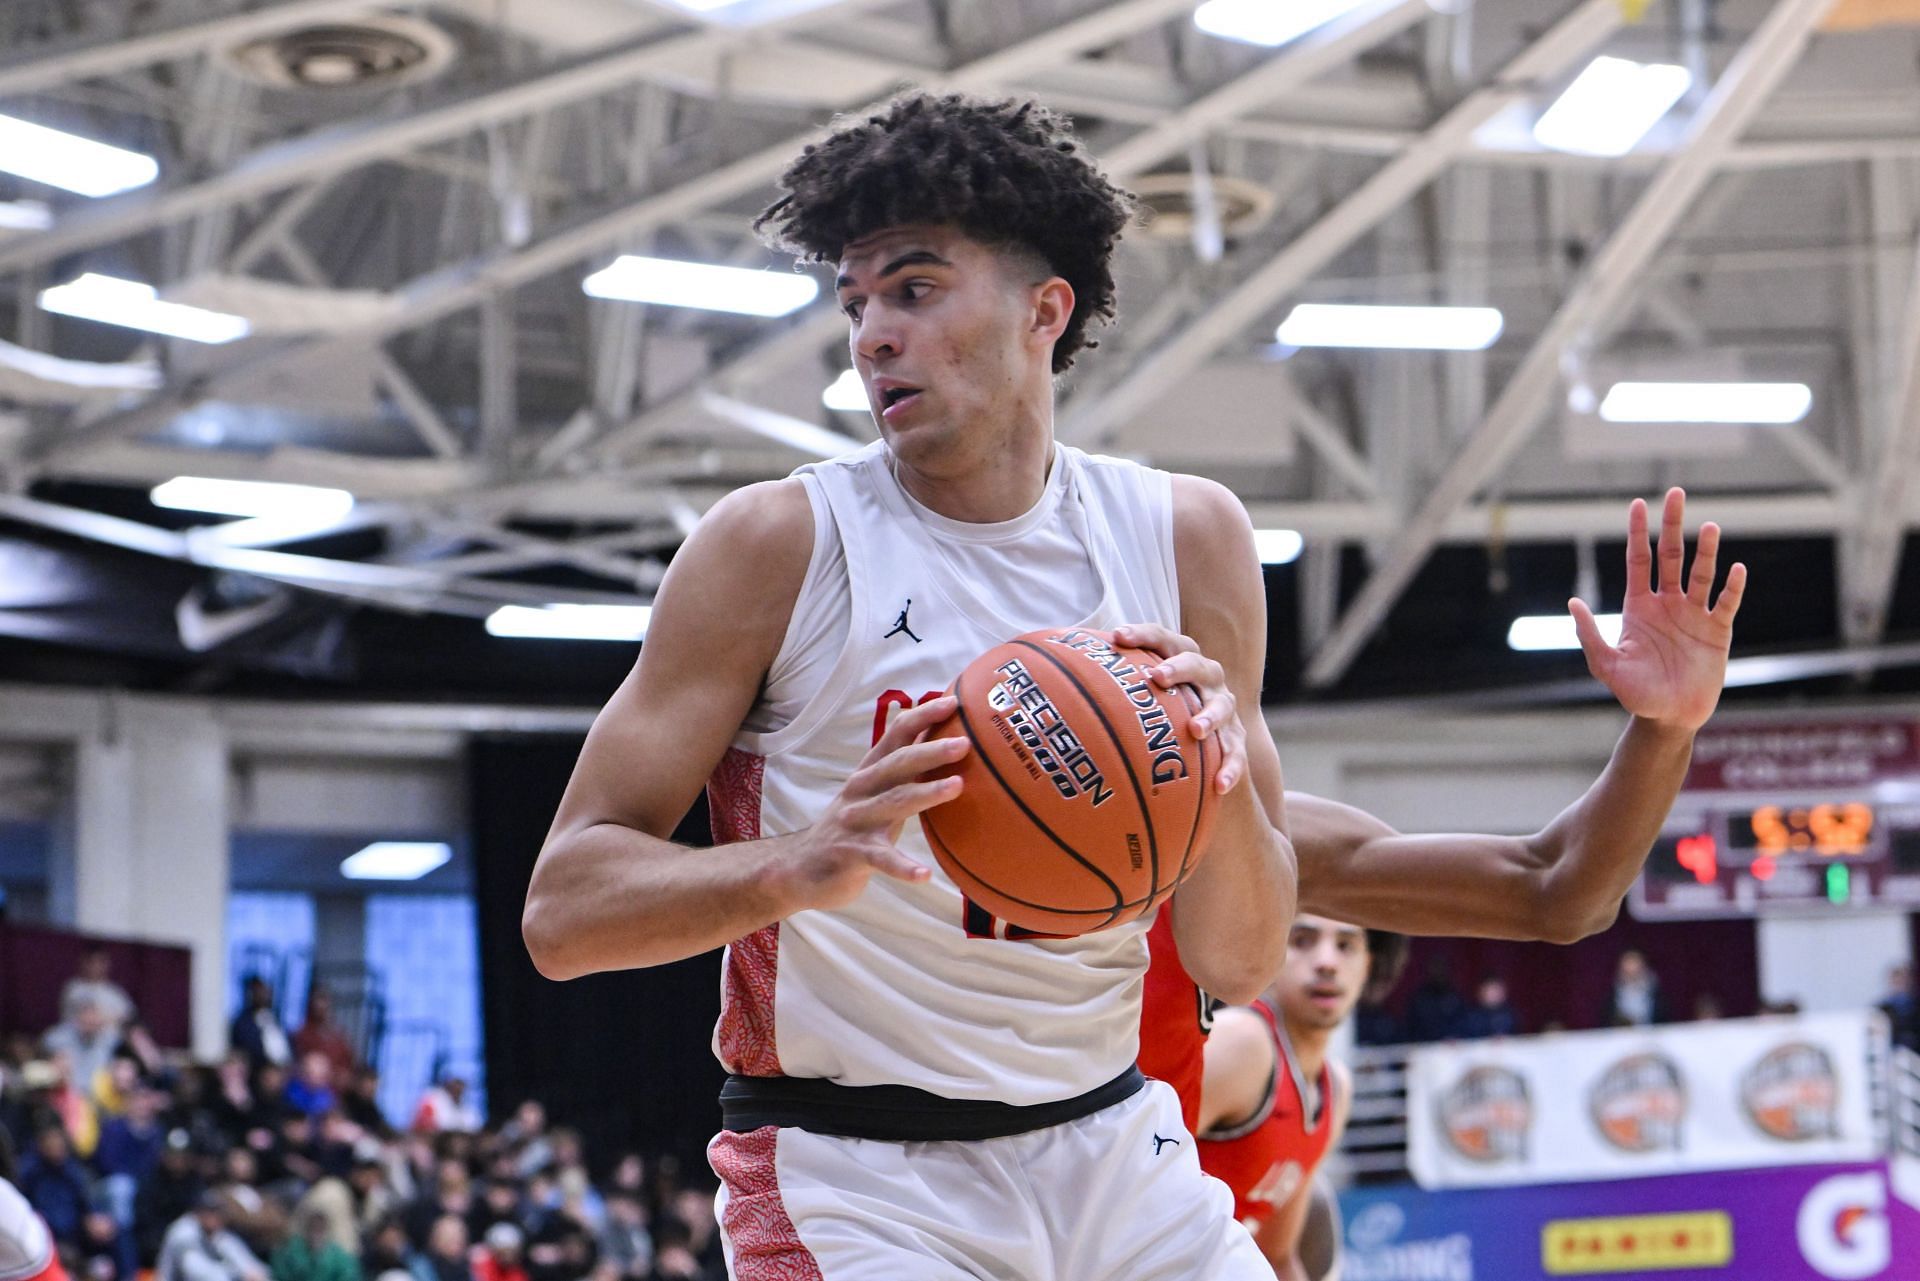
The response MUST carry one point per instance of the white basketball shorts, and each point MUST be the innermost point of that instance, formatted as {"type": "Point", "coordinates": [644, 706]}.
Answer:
{"type": "Point", "coordinates": [1114, 1196]}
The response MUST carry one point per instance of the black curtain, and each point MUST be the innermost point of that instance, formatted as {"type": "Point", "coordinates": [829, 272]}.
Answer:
{"type": "Point", "coordinates": [624, 1058]}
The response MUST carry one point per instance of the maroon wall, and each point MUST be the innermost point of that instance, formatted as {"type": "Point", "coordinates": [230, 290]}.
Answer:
{"type": "Point", "coordinates": [36, 962]}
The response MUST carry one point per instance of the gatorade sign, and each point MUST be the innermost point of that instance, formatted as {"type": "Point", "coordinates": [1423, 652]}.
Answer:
{"type": "Point", "coordinates": [1843, 1228]}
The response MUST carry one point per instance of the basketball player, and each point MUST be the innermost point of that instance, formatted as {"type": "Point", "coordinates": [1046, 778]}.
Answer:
{"type": "Point", "coordinates": [27, 1251]}
{"type": "Point", "coordinates": [1275, 1102]}
{"type": "Point", "coordinates": [909, 1097]}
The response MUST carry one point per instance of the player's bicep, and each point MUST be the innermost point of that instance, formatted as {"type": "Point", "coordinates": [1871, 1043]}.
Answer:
{"type": "Point", "coordinates": [719, 618]}
{"type": "Point", "coordinates": [1353, 867]}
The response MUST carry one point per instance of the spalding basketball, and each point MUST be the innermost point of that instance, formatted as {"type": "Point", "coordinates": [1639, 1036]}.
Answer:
{"type": "Point", "coordinates": [1087, 798]}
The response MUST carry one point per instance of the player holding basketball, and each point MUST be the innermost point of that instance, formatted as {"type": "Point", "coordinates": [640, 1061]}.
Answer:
{"type": "Point", "coordinates": [910, 1097]}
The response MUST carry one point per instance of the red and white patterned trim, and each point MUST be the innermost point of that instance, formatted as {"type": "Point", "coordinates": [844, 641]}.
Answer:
{"type": "Point", "coordinates": [765, 1244]}
{"type": "Point", "coordinates": [745, 1038]}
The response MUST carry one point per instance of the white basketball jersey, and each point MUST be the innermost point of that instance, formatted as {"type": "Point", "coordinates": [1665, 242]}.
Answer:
{"type": "Point", "coordinates": [25, 1247]}
{"type": "Point", "coordinates": [910, 985]}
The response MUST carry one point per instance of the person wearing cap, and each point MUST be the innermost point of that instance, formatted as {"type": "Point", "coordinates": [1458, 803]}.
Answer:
{"type": "Point", "coordinates": [200, 1247]}
{"type": "Point", "coordinates": [168, 1193]}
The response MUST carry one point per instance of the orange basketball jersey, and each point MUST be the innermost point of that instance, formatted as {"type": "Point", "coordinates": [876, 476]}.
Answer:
{"type": "Point", "coordinates": [1268, 1159]}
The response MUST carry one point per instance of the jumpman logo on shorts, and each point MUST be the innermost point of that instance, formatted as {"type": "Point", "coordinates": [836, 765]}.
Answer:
{"type": "Point", "coordinates": [900, 624]}
{"type": "Point", "coordinates": [1159, 1143]}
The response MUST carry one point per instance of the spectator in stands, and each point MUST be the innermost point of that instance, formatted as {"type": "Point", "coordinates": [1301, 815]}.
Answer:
{"type": "Point", "coordinates": [452, 1193]}
{"type": "Point", "coordinates": [169, 1194]}
{"type": "Point", "coordinates": [1373, 1022]}
{"type": "Point", "coordinates": [499, 1256]}
{"type": "Point", "coordinates": [526, 1137]}
{"type": "Point", "coordinates": [1433, 1014]}
{"type": "Point", "coordinates": [500, 1202]}
{"type": "Point", "coordinates": [256, 1030]}
{"type": "Point", "coordinates": [695, 1210]}
{"type": "Point", "coordinates": [94, 985]}
{"type": "Point", "coordinates": [311, 1254]}
{"type": "Point", "coordinates": [52, 1097]}
{"type": "Point", "coordinates": [360, 1101]}
{"type": "Point", "coordinates": [257, 1219]}
{"type": "Point", "coordinates": [128, 1152]}
{"type": "Point", "coordinates": [104, 1251]}
{"type": "Point", "coordinates": [1635, 999]}
{"type": "Point", "coordinates": [311, 1090]}
{"type": "Point", "coordinates": [625, 1241]}
{"type": "Point", "coordinates": [445, 1257]}
{"type": "Point", "coordinates": [321, 1035]}
{"type": "Point", "coordinates": [88, 1041]}
{"type": "Point", "coordinates": [1491, 1014]}
{"type": "Point", "coordinates": [1901, 1008]}
{"type": "Point", "coordinates": [55, 1183]}
{"type": "Point", "coordinates": [386, 1250]}
{"type": "Point", "coordinates": [445, 1108]}
{"type": "Point", "coordinates": [200, 1247]}
{"type": "Point", "coordinates": [562, 1250]}
{"type": "Point", "coordinates": [1706, 1008]}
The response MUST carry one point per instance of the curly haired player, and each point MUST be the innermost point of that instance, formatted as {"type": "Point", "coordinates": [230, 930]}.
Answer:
{"type": "Point", "coordinates": [909, 1097]}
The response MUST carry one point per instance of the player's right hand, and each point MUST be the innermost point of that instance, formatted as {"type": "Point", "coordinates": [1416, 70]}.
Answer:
{"type": "Point", "coordinates": [831, 861]}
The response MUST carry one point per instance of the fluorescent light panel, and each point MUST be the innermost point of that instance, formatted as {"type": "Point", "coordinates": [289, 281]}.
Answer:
{"type": "Point", "coordinates": [1555, 631]}
{"type": "Point", "coordinates": [669, 283]}
{"type": "Point", "coordinates": [70, 162]}
{"type": "Point", "coordinates": [845, 393]}
{"type": "Point", "coordinates": [132, 305]}
{"type": "Point", "coordinates": [1278, 546]}
{"type": "Point", "coordinates": [24, 215]}
{"type": "Point", "coordinates": [1763, 403]}
{"type": "Point", "coordinates": [1267, 22]}
{"type": "Point", "coordinates": [571, 622]}
{"type": "Point", "coordinates": [1610, 106]}
{"type": "Point", "coordinates": [395, 860]}
{"type": "Point", "coordinates": [1315, 324]}
{"type": "Point", "coordinates": [302, 504]}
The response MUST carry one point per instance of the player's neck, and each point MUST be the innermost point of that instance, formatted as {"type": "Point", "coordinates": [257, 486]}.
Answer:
{"type": "Point", "coordinates": [1309, 1047]}
{"type": "Point", "coordinates": [1002, 487]}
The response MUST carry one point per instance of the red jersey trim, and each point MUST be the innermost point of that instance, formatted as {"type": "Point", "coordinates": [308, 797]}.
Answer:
{"type": "Point", "coordinates": [750, 974]}
{"type": "Point", "coordinates": [765, 1244]}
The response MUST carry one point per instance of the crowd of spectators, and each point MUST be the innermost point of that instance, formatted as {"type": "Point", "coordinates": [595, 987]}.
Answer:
{"type": "Point", "coordinates": [277, 1164]}
{"type": "Point", "coordinates": [1436, 1010]}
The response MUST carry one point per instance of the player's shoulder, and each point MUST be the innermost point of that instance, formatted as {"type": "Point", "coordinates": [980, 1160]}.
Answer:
{"type": "Point", "coordinates": [767, 516]}
{"type": "Point", "coordinates": [1211, 530]}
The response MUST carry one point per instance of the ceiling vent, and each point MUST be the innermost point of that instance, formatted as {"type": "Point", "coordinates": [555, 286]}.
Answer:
{"type": "Point", "coordinates": [371, 52]}
{"type": "Point", "coordinates": [1166, 202]}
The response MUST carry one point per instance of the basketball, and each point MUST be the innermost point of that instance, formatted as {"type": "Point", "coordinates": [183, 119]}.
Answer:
{"type": "Point", "coordinates": [1088, 799]}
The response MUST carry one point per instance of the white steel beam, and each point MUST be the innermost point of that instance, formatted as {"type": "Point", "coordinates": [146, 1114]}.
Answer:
{"type": "Point", "coordinates": [1872, 562]}
{"type": "Point", "coordinates": [1590, 22]}
{"type": "Point", "coordinates": [1611, 275]}
{"type": "Point", "coordinates": [463, 285]}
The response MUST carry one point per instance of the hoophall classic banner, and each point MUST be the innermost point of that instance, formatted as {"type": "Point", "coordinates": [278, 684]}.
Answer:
{"type": "Point", "coordinates": [1635, 1102]}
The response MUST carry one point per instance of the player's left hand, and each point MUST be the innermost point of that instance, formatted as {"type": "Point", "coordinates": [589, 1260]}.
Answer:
{"type": "Point", "coordinates": [1218, 716]}
{"type": "Point", "coordinates": [1672, 657]}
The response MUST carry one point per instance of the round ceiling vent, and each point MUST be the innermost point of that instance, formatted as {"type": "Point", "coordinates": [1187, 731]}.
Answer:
{"type": "Point", "coordinates": [372, 52]}
{"type": "Point", "coordinates": [1166, 203]}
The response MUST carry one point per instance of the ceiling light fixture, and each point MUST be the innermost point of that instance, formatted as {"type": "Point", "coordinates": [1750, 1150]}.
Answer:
{"type": "Point", "coordinates": [670, 283]}
{"type": "Point", "coordinates": [1610, 106]}
{"type": "Point", "coordinates": [1278, 546]}
{"type": "Point", "coordinates": [132, 305]}
{"type": "Point", "coordinates": [571, 622]}
{"type": "Point", "coordinates": [1268, 22]}
{"type": "Point", "coordinates": [1772, 404]}
{"type": "Point", "coordinates": [396, 860]}
{"type": "Point", "coordinates": [70, 162]}
{"type": "Point", "coordinates": [847, 394]}
{"type": "Point", "coordinates": [290, 503]}
{"type": "Point", "coordinates": [1313, 324]}
{"type": "Point", "coordinates": [1532, 632]}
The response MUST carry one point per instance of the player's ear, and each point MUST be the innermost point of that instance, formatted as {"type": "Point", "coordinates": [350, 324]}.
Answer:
{"type": "Point", "coordinates": [1053, 302]}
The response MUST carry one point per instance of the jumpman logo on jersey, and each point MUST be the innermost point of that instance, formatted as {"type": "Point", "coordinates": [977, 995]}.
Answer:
{"type": "Point", "coordinates": [1159, 1143]}
{"type": "Point", "coordinates": [900, 623]}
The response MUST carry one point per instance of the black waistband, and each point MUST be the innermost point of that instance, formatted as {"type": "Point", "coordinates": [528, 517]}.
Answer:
{"type": "Point", "coordinates": [900, 1112]}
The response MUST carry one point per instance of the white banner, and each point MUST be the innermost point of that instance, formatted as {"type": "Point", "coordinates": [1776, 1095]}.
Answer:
{"type": "Point", "coordinates": [1632, 1102]}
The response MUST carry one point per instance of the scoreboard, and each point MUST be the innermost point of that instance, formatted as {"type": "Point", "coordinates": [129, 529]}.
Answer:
{"type": "Point", "coordinates": [1788, 817]}
{"type": "Point", "coordinates": [1794, 854]}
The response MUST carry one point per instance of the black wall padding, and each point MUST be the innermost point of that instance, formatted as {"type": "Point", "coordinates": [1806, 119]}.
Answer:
{"type": "Point", "coordinates": [625, 1058]}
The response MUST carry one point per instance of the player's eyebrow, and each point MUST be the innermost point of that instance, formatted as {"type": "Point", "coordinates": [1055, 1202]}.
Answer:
{"type": "Point", "coordinates": [912, 258]}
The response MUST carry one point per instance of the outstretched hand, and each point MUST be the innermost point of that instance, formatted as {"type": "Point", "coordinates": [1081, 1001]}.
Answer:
{"type": "Point", "coordinates": [1672, 657]}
